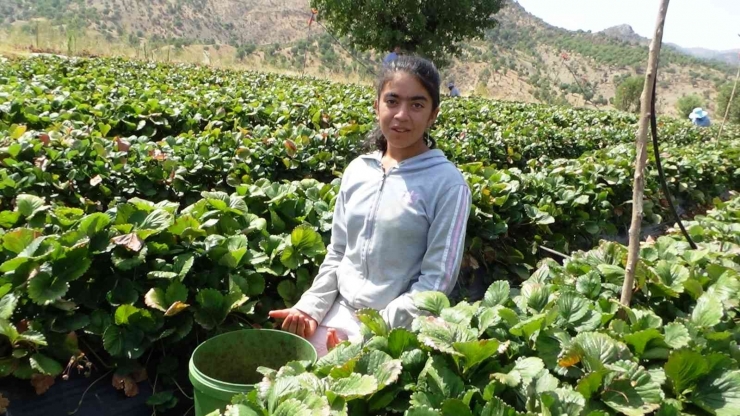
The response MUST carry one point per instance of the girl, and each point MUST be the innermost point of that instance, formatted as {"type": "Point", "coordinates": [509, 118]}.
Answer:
{"type": "Point", "coordinates": [399, 221]}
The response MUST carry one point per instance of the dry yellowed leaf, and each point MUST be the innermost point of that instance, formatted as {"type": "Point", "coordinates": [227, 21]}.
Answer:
{"type": "Point", "coordinates": [176, 308]}
{"type": "Point", "coordinates": [131, 241]}
{"type": "Point", "coordinates": [41, 383]}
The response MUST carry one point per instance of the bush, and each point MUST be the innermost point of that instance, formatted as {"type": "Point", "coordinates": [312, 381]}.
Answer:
{"type": "Point", "coordinates": [688, 103]}
{"type": "Point", "coordinates": [628, 94]}
{"type": "Point", "coordinates": [723, 100]}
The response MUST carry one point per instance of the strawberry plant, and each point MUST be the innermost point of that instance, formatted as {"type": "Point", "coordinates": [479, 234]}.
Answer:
{"type": "Point", "coordinates": [145, 207]}
{"type": "Point", "coordinates": [561, 343]}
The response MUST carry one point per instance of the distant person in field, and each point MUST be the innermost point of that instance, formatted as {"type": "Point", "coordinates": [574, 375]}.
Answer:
{"type": "Point", "coordinates": [454, 92]}
{"type": "Point", "coordinates": [399, 220]}
{"type": "Point", "coordinates": [392, 56]}
{"type": "Point", "coordinates": [700, 117]}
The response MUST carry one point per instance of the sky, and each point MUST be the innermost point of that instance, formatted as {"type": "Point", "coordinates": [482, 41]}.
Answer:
{"type": "Point", "coordinates": [711, 24]}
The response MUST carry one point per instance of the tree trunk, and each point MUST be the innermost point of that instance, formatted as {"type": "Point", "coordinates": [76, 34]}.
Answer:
{"type": "Point", "coordinates": [638, 190]}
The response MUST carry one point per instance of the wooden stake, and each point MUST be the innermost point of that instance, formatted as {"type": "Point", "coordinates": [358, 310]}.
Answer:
{"type": "Point", "coordinates": [729, 104]}
{"type": "Point", "coordinates": [638, 190]}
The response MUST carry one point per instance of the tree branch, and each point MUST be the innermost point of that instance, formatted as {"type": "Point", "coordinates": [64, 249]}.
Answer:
{"type": "Point", "coordinates": [638, 190]}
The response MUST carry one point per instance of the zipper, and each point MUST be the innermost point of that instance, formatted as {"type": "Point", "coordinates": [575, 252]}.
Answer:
{"type": "Point", "coordinates": [371, 228]}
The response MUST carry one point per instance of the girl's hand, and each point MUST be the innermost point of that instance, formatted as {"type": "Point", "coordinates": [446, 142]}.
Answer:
{"type": "Point", "coordinates": [332, 340]}
{"type": "Point", "coordinates": [296, 321]}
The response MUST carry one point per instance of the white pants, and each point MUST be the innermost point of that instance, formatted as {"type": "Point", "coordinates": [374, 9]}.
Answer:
{"type": "Point", "coordinates": [343, 319]}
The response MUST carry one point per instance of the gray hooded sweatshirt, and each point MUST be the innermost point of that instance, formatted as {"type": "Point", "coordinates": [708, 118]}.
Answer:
{"type": "Point", "coordinates": [394, 234]}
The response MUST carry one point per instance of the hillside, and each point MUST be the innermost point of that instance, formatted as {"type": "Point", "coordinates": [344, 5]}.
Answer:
{"type": "Point", "coordinates": [523, 59]}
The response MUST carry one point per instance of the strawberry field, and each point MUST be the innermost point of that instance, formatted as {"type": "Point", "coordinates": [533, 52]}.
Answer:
{"type": "Point", "coordinates": [145, 208]}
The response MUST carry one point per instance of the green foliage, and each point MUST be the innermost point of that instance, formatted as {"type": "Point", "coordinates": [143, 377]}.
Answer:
{"type": "Point", "coordinates": [135, 214]}
{"type": "Point", "coordinates": [723, 101]}
{"type": "Point", "coordinates": [687, 103]}
{"type": "Point", "coordinates": [432, 28]}
{"type": "Point", "coordinates": [245, 50]}
{"type": "Point", "coordinates": [629, 93]}
{"type": "Point", "coordinates": [582, 355]}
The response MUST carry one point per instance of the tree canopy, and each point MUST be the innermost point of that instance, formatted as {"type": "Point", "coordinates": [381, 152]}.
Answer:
{"type": "Point", "coordinates": [629, 93]}
{"type": "Point", "coordinates": [723, 99]}
{"type": "Point", "coordinates": [431, 28]}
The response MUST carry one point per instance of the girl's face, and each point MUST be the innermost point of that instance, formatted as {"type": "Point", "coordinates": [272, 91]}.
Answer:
{"type": "Point", "coordinates": [405, 111]}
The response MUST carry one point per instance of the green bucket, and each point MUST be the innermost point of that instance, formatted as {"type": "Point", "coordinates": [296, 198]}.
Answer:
{"type": "Point", "coordinates": [226, 364]}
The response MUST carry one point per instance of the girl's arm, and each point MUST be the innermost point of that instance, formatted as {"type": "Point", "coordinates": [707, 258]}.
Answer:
{"type": "Point", "coordinates": [441, 263]}
{"type": "Point", "coordinates": [317, 300]}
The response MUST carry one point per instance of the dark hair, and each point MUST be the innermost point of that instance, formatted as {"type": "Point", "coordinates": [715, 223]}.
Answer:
{"type": "Point", "coordinates": [426, 73]}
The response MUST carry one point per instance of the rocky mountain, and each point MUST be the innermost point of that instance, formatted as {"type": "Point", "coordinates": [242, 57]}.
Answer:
{"type": "Point", "coordinates": [523, 58]}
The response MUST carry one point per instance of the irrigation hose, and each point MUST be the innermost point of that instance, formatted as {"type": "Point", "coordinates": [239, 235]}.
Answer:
{"type": "Point", "coordinates": [661, 174]}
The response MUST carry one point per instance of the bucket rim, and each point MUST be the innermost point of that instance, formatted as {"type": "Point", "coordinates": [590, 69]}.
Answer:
{"type": "Point", "coordinates": [216, 383]}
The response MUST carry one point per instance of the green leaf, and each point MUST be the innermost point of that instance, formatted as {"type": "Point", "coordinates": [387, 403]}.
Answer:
{"type": "Point", "coordinates": [354, 386]}
{"type": "Point", "coordinates": [183, 263]}
{"type": "Point", "coordinates": [497, 294]}
{"type": "Point", "coordinates": [684, 368]}
{"type": "Point", "coordinates": [475, 352]}
{"type": "Point", "coordinates": [529, 327]}
{"type": "Point", "coordinates": [590, 384]}
{"type": "Point", "coordinates": [339, 356]}
{"type": "Point", "coordinates": [381, 366]}
{"type": "Point", "coordinates": [564, 401]}
{"type": "Point", "coordinates": [17, 240]}
{"type": "Point", "coordinates": [155, 298]}
{"type": "Point", "coordinates": [496, 407]}
{"type": "Point", "coordinates": [287, 290]}
{"type": "Point", "coordinates": [455, 407]}
{"type": "Point", "coordinates": [630, 390]}
{"type": "Point", "coordinates": [432, 302]}
{"type": "Point", "coordinates": [99, 322]}
{"type": "Point", "coordinates": [236, 410]}
{"type": "Point", "coordinates": [7, 305]}
{"type": "Point", "coordinates": [123, 342]}
{"type": "Point", "coordinates": [372, 319]}
{"type": "Point", "coordinates": [124, 312]}
{"type": "Point", "coordinates": [726, 287]}
{"type": "Point", "coordinates": [594, 350]}
{"type": "Point", "coordinates": [92, 224]}
{"type": "Point", "coordinates": [612, 273]}
{"type": "Point", "coordinates": [461, 314]}
{"type": "Point", "coordinates": [676, 335]}
{"type": "Point", "coordinates": [441, 380]}
{"type": "Point", "coordinates": [176, 292]}
{"type": "Point", "coordinates": [572, 307]}
{"type": "Point", "coordinates": [158, 219]}
{"type": "Point", "coordinates": [306, 241]}
{"type": "Point", "coordinates": [16, 131]}
{"type": "Point", "coordinates": [422, 411]}
{"type": "Point", "coordinates": [73, 265]}
{"type": "Point", "coordinates": [44, 288]}
{"type": "Point", "coordinates": [440, 335]}
{"type": "Point", "coordinates": [7, 329]}
{"type": "Point", "coordinates": [45, 365]}
{"type": "Point", "coordinates": [29, 205]}
{"type": "Point", "coordinates": [292, 407]}
{"type": "Point", "coordinates": [511, 379]}
{"type": "Point", "coordinates": [9, 218]}
{"type": "Point", "coordinates": [212, 310]}
{"type": "Point", "coordinates": [528, 368]}
{"type": "Point", "coordinates": [400, 340]}
{"type": "Point", "coordinates": [720, 395]}
{"type": "Point", "coordinates": [708, 311]}
{"type": "Point", "coordinates": [670, 407]}
{"type": "Point", "coordinates": [290, 258]}
{"type": "Point", "coordinates": [671, 277]}
{"type": "Point", "coordinates": [640, 339]}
